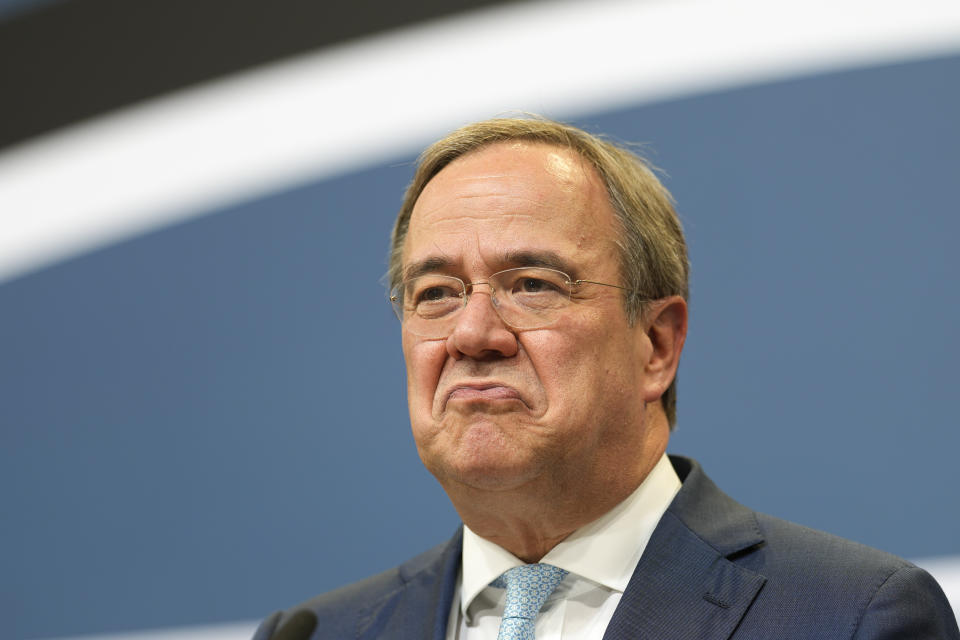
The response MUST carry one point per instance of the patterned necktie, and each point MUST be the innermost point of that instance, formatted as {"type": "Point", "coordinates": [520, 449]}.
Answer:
{"type": "Point", "coordinates": [528, 587]}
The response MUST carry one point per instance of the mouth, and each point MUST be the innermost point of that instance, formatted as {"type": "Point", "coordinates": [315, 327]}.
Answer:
{"type": "Point", "coordinates": [486, 392]}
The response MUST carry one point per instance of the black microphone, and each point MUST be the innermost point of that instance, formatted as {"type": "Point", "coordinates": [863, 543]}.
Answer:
{"type": "Point", "coordinates": [299, 627]}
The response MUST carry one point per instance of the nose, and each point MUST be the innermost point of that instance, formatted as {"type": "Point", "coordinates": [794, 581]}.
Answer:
{"type": "Point", "coordinates": [480, 333]}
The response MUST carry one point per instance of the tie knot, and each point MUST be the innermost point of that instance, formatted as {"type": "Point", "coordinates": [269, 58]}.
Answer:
{"type": "Point", "coordinates": [528, 587]}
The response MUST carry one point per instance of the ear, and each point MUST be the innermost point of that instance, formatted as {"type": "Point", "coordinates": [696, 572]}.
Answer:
{"type": "Point", "coordinates": [665, 326]}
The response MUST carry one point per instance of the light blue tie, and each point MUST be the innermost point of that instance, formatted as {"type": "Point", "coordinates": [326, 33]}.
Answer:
{"type": "Point", "coordinates": [528, 587]}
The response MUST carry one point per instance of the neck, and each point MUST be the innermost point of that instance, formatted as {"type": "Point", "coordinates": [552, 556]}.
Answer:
{"type": "Point", "coordinates": [530, 520]}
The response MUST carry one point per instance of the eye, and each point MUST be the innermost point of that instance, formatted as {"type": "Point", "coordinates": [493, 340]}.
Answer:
{"type": "Point", "coordinates": [537, 290]}
{"type": "Point", "coordinates": [535, 285]}
{"type": "Point", "coordinates": [434, 296]}
{"type": "Point", "coordinates": [435, 293]}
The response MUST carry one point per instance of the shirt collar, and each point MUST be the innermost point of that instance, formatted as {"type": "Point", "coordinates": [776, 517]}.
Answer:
{"type": "Point", "coordinates": [606, 551]}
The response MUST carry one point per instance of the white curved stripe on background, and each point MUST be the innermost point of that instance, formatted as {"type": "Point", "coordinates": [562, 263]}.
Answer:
{"type": "Point", "coordinates": [946, 570]}
{"type": "Point", "coordinates": [354, 105]}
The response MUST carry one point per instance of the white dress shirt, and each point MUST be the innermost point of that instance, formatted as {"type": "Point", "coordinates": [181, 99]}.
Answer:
{"type": "Point", "coordinates": [600, 557]}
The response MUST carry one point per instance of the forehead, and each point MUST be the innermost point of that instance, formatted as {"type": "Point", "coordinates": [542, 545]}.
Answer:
{"type": "Point", "coordinates": [511, 198]}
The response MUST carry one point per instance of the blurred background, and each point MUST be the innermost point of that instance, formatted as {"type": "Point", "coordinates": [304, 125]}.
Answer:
{"type": "Point", "coordinates": [202, 406]}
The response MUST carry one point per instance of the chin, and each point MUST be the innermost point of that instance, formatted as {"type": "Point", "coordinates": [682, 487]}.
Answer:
{"type": "Point", "coordinates": [488, 470]}
{"type": "Point", "coordinates": [478, 451]}
{"type": "Point", "coordinates": [490, 479]}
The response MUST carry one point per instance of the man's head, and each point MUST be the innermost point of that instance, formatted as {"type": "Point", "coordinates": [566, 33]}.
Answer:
{"type": "Point", "coordinates": [650, 244]}
{"type": "Point", "coordinates": [537, 384]}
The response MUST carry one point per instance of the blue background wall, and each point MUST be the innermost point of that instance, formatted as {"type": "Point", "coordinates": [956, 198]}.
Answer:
{"type": "Point", "coordinates": [208, 422]}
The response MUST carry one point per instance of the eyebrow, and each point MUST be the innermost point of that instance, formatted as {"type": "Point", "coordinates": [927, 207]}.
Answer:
{"type": "Point", "coordinates": [547, 259]}
{"type": "Point", "coordinates": [428, 265]}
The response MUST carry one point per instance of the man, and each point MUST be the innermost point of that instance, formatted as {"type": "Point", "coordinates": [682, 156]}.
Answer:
{"type": "Point", "coordinates": [540, 275]}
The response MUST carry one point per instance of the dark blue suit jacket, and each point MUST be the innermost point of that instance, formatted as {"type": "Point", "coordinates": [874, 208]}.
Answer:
{"type": "Point", "coordinates": [712, 569]}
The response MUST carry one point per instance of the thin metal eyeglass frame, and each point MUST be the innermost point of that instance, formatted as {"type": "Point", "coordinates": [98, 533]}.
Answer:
{"type": "Point", "coordinates": [465, 297]}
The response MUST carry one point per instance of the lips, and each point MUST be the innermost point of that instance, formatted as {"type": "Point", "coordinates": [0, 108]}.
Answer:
{"type": "Point", "coordinates": [490, 392]}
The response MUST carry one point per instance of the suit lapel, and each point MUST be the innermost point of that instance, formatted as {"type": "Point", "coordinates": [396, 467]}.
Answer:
{"type": "Point", "coordinates": [685, 585]}
{"type": "Point", "coordinates": [420, 608]}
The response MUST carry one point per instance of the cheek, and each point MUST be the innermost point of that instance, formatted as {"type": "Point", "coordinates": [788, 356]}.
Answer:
{"type": "Point", "coordinates": [561, 365]}
{"type": "Point", "coordinates": [574, 366]}
{"type": "Point", "coordinates": [425, 360]}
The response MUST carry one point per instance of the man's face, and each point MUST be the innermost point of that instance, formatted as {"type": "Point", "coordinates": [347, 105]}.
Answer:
{"type": "Point", "coordinates": [495, 408]}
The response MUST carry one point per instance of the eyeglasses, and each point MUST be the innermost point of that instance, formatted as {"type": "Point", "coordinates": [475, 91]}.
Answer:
{"type": "Point", "coordinates": [524, 298]}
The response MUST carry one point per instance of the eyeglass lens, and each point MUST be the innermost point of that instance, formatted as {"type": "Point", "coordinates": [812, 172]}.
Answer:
{"type": "Point", "coordinates": [525, 298]}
